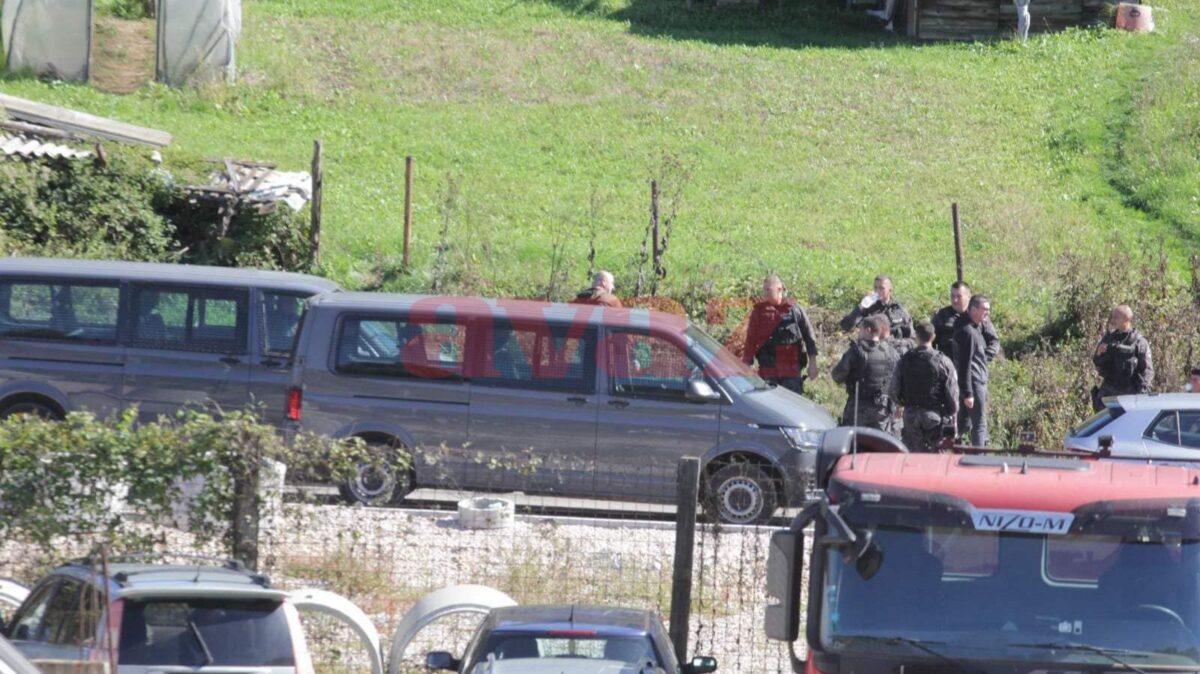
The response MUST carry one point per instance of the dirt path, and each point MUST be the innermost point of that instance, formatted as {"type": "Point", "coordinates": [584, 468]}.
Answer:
{"type": "Point", "coordinates": [122, 54]}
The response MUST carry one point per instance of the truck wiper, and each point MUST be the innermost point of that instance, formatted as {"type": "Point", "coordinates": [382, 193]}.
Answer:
{"type": "Point", "coordinates": [919, 644]}
{"type": "Point", "coordinates": [208, 656]}
{"type": "Point", "coordinates": [1112, 654]}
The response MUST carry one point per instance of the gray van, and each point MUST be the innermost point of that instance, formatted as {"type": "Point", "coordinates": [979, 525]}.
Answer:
{"type": "Point", "coordinates": [102, 336]}
{"type": "Point", "coordinates": [564, 399]}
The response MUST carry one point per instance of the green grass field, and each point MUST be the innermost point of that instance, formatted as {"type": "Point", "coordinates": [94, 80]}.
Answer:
{"type": "Point", "coordinates": [816, 146]}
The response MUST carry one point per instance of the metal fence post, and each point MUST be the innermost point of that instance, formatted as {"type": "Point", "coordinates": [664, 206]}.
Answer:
{"type": "Point", "coordinates": [688, 490]}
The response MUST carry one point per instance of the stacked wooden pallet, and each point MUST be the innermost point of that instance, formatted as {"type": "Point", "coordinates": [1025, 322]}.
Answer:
{"type": "Point", "coordinates": [989, 19]}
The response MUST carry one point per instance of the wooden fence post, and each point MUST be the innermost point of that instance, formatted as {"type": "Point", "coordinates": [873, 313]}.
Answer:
{"type": "Point", "coordinates": [318, 183]}
{"type": "Point", "coordinates": [958, 250]}
{"type": "Point", "coordinates": [408, 186]}
{"type": "Point", "coordinates": [688, 491]}
{"type": "Point", "coordinates": [654, 248]}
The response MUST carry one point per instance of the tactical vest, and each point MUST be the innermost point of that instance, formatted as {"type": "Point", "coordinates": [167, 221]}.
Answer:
{"type": "Point", "coordinates": [923, 380]}
{"type": "Point", "coordinates": [877, 372]}
{"type": "Point", "coordinates": [1123, 360]}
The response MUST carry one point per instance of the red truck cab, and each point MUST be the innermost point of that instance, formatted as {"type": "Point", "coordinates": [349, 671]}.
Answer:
{"type": "Point", "coordinates": [984, 562]}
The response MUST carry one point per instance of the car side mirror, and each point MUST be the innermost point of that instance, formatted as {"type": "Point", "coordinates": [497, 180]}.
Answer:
{"type": "Point", "coordinates": [699, 391]}
{"type": "Point", "coordinates": [785, 563]}
{"type": "Point", "coordinates": [701, 664]}
{"type": "Point", "coordinates": [441, 660]}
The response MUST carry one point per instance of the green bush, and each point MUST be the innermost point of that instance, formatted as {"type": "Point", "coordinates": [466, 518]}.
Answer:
{"type": "Point", "coordinates": [84, 479]}
{"type": "Point", "coordinates": [124, 9]}
{"type": "Point", "coordinates": [130, 209]}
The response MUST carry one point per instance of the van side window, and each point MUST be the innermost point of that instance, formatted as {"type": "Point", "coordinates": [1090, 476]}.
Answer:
{"type": "Point", "coordinates": [189, 319]}
{"type": "Point", "coordinates": [646, 366]}
{"type": "Point", "coordinates": [280, 317]}
{"type": "Point", "coordinates": [401, 347]}
{"type": "Point", "coordinates": [56, 311]}
{"type": "Point", "coordinates": [540, 357]}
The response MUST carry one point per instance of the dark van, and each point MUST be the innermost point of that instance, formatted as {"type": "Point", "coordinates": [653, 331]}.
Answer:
{"type": "Point", "coordinates": [564, 399]}
{"type": "Point", "coordinates": [102, 336]}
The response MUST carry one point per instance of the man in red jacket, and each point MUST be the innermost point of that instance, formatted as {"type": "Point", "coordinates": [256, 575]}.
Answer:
{"type": "Point", "coordinates": [780, 337]}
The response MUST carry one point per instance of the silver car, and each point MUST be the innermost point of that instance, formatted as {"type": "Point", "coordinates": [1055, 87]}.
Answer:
{"type": "Point", "coordinates": [193, 618]}
{"type": "Point", "coordinates": [1157, 426]}
{"type": "Point", "coordinates": [564, 399]}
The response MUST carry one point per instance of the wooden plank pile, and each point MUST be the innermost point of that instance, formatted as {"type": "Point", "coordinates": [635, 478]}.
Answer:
{"type": "Point", "coordinates": [989, 19]}
{"type": "Point", "coordinates": [80, 123]}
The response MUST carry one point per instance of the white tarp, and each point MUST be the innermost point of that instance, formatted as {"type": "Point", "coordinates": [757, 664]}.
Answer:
{"type": "Point", "coordinates": [47, 37]}
{"type": "Point", "coordinates": [196, 39]}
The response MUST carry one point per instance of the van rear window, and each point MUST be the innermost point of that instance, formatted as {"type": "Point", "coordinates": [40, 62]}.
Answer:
{"type": "Point", "coordinates": [205, 632]}
{"type": "Point", "coordinates": [58, 311]}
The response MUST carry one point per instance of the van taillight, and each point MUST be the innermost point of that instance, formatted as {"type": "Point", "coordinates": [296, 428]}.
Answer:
{"type": "Point", "coordinates": [295, 401]}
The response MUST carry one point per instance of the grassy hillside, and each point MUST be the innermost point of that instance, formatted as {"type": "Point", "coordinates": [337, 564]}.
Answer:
{"type": "Point", "coordinates": [810, 143]}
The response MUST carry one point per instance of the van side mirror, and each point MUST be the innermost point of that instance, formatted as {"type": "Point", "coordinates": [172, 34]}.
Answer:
{"type": "Point", "coordinates": [699, 391]}
{"type": "Point", "coordinates": [441, 660]}
{"type": "Point", "coordinates": [785, 564]}
{"type": "Point", "coordinates": [701, 664]}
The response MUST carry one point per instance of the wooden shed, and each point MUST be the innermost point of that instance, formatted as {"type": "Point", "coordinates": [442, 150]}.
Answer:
{"type": "Point", "coordinates": [989, 19]}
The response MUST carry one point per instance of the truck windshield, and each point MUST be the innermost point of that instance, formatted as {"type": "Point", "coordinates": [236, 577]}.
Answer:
{"type": "Point", "coordinates": [989, 596]}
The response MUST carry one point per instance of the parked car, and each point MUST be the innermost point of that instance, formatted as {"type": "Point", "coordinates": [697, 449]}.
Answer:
{"type": "Point", "coordinates": [12, 662]}
{"type": "Point", "coordinates": [1157, 426]}
{"type": "Point", "coordinates": [569, 640]}
{"type": "Point", "coordinates": [575, 400]}
{"type": "Point", "coordinates": [197, 617]}
{"type": "Point", "coordinates": [102, 336]}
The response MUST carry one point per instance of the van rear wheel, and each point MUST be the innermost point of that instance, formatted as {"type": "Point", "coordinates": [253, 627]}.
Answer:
{"type": "Point", "coordinates": [31, 408]}
{"type": "Point", "coordinates": [741, 493]}
{"type": "Point", "coordinates": [382, 482]}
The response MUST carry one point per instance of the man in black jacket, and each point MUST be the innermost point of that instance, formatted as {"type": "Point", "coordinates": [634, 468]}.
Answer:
{"type": "Point", "coordinates": [952, 317]}
{"type": "Point", "coordinates": [1122, 358]}
{"type": "Point", "coordinates": [866, 371]}
{"type": "Point", "coordinates": [971, 363]}
{"type": "Point", "coordinates": [881, 302]}
{"type": "Point", "coordinates": [926, 385]}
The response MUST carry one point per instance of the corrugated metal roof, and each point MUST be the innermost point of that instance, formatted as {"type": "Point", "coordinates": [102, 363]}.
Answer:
{"type": "Point", "coordinates": [32, 148]}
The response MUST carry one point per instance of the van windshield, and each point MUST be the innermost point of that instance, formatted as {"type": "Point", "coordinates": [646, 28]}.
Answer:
{"type": "Point", "coordinates": [721, 364]}
{"type": "Point", "coordinates": [205, 632]}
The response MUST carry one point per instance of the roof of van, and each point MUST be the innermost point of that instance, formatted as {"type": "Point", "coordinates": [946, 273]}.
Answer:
{"type": "Point", "coordinates": [162, 272]}
{"type": "Point", "coordinates": [590, 314]}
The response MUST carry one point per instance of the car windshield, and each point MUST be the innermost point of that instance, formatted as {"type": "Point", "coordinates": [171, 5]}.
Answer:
{"type": "Point", "coordinates": [989, 595]}
{"type": "Point", "coordinates": [205, 632]}
{"type": "Point", "coordinates": [1096, 422]}
{"type": "Point", "coordinates": [721, 364]}
{"type": "Point", "coordinates": [632, 650]}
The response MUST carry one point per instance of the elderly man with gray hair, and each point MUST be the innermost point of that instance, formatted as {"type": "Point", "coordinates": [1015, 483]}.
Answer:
{"type": "Point", "coordinates": [1122, 359]}
{"type": "Point", "coordinates": [600, 292]}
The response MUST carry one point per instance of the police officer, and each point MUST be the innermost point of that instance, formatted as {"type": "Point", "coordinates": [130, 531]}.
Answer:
{"type": "Point", "coordinates": [780, 337]}
{"type": "Point", "coordinates": [866, 371]}
{"type": "Point", "coordinates": [926, 385]}
{"type": "Point", "coordinates": [881, 302]}
{"type": "Point", "coordinates": [1122, 358]}
{"type": "Point", "coordinates": [971, 363]}
{"type": "Point", "coordinates": [952, 317]}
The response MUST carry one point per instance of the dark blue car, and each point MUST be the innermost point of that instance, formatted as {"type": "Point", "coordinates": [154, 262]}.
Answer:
{"type": "Point", "coordinates": [569, 640]}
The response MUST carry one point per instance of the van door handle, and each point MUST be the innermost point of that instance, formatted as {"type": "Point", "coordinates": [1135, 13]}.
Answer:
{"type": "Point", "coordinates": [578, 400]}
{"type": "Point", "coordinates": [231, 360]}
{"type": "Point", "coordinates": [619, 403]}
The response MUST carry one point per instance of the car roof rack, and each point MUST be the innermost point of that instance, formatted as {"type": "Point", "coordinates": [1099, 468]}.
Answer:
{"type": "Point", "coordinates": [228, 563]}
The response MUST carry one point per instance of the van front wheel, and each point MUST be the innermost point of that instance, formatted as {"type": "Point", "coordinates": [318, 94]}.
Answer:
{"type": "Point", "coordinates": [741, 493]}
{"type": "Point", "coordinates": [381, 482]}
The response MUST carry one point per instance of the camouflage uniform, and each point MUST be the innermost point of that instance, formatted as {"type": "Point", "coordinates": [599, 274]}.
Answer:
{"type": "Point", "coordinates": [866, 368]}
{"type": "Point", "coordinates": [1125, 367]}
{"type": "Point", "coordinates": [926, 384]}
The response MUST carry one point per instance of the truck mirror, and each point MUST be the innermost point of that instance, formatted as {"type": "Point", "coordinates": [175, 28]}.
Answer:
{"type": "Point", "coordinates": [785, 566]}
